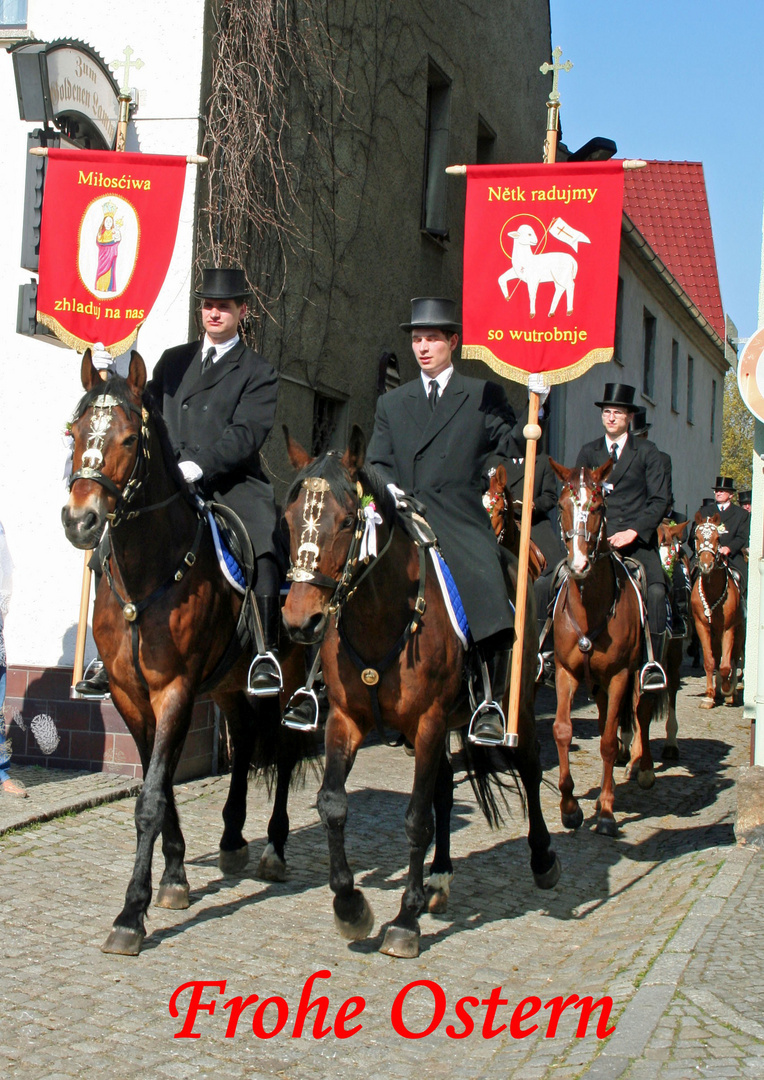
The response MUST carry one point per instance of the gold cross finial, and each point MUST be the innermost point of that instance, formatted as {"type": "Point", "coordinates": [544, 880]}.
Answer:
{"type": "Point", "coordinates": [128, 63]}
{"type": "Point", "coordinates": [555, 67]}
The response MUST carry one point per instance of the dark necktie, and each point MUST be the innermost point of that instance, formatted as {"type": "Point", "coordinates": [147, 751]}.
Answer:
{"type": "Point", "coordinates": [432, 394]}
{"type": "Point", "coordinates": [614, 452]}
{"type": "Point", "coordinates": [208, 358]}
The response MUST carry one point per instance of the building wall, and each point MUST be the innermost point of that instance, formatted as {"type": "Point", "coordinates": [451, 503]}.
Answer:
{"type": "Point", "coordinates": [39, 382]}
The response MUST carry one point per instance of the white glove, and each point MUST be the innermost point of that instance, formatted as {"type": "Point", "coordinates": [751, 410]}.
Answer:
{"type": "Point", "coordinates": [398, 494]}
{"type": "Point", "coordinates": [102, 360]}
{"type": "Point", "coordinates": [191, 471]}
{"type": "Point", "coordinates": [536, 385]}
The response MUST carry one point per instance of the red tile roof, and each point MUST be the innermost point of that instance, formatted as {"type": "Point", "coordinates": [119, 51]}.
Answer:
{"type": "Point", "coordinates": [667, 202]}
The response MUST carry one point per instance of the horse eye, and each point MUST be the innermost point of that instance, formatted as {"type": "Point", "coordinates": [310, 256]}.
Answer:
{"type": "Point", "coordinates": [131, 440]}
{"type": "Point", "coordinates": [348, 522]}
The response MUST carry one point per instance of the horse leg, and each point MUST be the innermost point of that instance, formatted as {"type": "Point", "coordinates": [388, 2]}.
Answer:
{"type": "Point", "coordinates": [728, 673]}
{"type": "Point", "coordinates": [173, 891]}
{"type": "Point", "coordinates": [606, 823]}
{"type": "Point", "coordinates": [272, 865]}
{"type": "Point", "coordinates": [233, 854]}
{"type": "Point", "coordinates": [402, 935]}
{"type": "Point", "coordinates": [571, 813]}
{"type": "Point", "coordinates": [644, 713]}
{"type": "Point", "coordinates": [545, 866]}
{"type": "Point", "coordinates": [353, 916]}
{"type": "Point", "coordinates": [670, 750]}
{"type": "Point", "coordinates": [438, 885]}
{"type": "Point", "coordinates": [709, 665]}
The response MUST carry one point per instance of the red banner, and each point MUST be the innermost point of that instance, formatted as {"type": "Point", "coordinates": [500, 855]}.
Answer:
{"type": "Point", "coordinates": [109, 222]}
{"type": "Point", "coordinates": [541, 250]}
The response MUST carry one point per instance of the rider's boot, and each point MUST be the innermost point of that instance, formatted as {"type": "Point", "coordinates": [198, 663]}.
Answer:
{"type": "Point", "coordinates": [652, 676]}
{"type": "Point", "coordinates": [302, 711]}
{"type": "Point", "coordinates": [487, 726]}
{"type": "Point", "coordinates": [265, 677]}
{"type": "Point", "coordinates": [95, 683]}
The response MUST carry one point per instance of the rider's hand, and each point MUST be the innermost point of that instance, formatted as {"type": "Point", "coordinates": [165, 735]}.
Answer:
{"type": "Point", "coordinates": [623, 539]}
{"type": "Point", "coordinates": [101, 359]}
{"type": "Point", "coordinates": [191, 471]}
{"type": "Point", "coordinates": [398, 494]}
{"type": "Point", "coordinates": [536, 385]}
{"type": "Point", "coordinates": [724, 550]}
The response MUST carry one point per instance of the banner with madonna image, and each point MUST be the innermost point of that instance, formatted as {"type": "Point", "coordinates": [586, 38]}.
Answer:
{"type": "Point", "coordinates": [541, 250]}
{"type": "Point", "coordinates": [109, 222]}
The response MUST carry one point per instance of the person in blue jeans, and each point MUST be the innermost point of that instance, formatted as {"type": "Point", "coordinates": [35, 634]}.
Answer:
{"type": "Point", "coordinates": [8, 786]}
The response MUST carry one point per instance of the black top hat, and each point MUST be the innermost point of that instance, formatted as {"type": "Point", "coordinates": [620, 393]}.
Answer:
{"type": "Point", "coordinates": [744, 497]}
{"type": "Point", "coordinates": [218, 284]}
{"type": "Point", "coordinates": [724, 483]}
{"type": "Point", "coordinates": [618, 394]}
{"type": "Point", "coordinates": [433, 312]}
{"type": "Point", "coordinates": [639, 424]}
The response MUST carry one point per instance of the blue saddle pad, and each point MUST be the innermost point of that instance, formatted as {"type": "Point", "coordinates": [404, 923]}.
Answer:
{"type": "Point", "coordinates": [453, 596]}
{"type": "Point", "coordinates": [228, 563]}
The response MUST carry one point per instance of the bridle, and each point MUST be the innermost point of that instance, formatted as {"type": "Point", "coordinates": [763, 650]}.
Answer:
{"type": "Point", "coordinates": [706, 530]}
{"type": "Point", "coordinates": [582, 502]}
{"type": "Point", "coordinates": [497, 500]}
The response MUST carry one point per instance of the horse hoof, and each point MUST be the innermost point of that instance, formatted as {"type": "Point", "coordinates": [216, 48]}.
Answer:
{"type": "Point", "coordinates": [707, 703]}
{"type": "Point", "coordinates": [233, 862]}
{"type": "Point", "coordinates": [174, 897]}
{"type": "Point", "coordinates": [271, 866]}
{"type": "Point", "coordinates": [437, 891]}
{"type": "Point", "coordinates": [401, 943]}
{"type": "Point", "coordinates": [606, 826]}
{"type": "Point", "coordinates": [574, 820]}
{"type": "Point", "coordinates": [123, 941]}
{"type": "Point", "coordinates": [549, 879]}
{"type": "Point", "coordinates": [670, 753]}
{"type": "Point", "coordinates": [359, 928]}
{"type": "Point", "coordinates": [646, 778]}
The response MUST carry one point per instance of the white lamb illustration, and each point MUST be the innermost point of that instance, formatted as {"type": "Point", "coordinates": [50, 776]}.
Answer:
{"type": "Point", "coordinates": [556, 266]}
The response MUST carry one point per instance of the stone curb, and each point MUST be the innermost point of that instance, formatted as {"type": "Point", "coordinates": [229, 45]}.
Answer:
{"type": "Point", "coordinates": [71, 805]}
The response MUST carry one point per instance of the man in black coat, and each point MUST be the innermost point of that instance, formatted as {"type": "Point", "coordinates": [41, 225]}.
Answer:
{"type": "Point", "coordinates": [637, 500]}
{"type": "Point", "coordinates": [218, 399]}
{"type": "Point", "coordinates": [432, 438]}
{"type": "Point", "coordinates": [736, 523]}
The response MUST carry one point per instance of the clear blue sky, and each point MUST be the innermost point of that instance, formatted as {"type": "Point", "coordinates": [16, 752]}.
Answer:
{"type": "Point", "coordinates": [678, 80]}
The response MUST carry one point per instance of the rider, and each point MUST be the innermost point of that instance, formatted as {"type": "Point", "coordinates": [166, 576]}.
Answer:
{"type": "Point", "coordinates": [433, 437]}
{"type": "Point", "coordinates": [218, 400]}
{"type": "Point", "coordinates": [637, 499]}
{"type": "Point", "coordinates": [736, 523]}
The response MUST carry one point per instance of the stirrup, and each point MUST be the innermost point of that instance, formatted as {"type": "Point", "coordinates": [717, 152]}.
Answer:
{"type": "Point", "coordinates": [491, 708]}
{"type": "Point", "coordinates": [301, 715]}
{"type": "Point", "coordinates": [652, 668]}
{"type": "Point", "coordinates": [545, 669]}
{"type": "Point", "coordinates": [275, 672]}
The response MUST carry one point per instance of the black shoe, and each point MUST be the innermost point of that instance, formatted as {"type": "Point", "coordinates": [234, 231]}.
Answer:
{"type": "Point", "coordinates": [95, 685]}
{"type": "Point", "coordinates": [652, 678]}
{"type": "Point", "coordinates": [487, 727]}
{"type": "Point", "coordinates": [264, 677]}
{"type": "Point", "coordinates": [301, 712]}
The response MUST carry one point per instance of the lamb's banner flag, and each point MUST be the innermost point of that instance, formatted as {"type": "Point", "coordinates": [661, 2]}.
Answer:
{"type": "Point", "coordinates": [109, 222]}
{"type": "Point", "coordinates": [541, 248]}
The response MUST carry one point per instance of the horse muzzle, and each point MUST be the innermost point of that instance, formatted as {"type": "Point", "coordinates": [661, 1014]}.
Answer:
{"type": "Point", "coordinates": [83, 525]}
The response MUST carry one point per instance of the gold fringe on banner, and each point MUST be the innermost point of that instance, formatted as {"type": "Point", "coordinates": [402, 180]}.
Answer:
{"type": "Point", "coordinates": [551, 378]}
{"type": "Point", "coordinates": [116, 349]}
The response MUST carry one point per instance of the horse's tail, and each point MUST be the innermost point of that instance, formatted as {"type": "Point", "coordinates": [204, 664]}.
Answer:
{"type": "Point", "coordinates": [277, 746]}
{"type": "Point", "coordinates": [485, 767]}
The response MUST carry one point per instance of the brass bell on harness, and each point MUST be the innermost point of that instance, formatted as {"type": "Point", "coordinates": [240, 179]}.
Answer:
{"type": "Point", "coordinates": [130, 611]}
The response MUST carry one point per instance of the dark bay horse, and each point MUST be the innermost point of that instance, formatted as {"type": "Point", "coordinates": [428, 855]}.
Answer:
{"type": "Point", "coordinates": [389, 657]}
{"type": "Point", "coordinates": [165, 623]}
{"type": "Point", "coordinates": [598, 640]}
{"type": "Point", "coordinates": [670, 536]}
{"type": "Point", "coordinates": [505, 525]}
{"type": "Point", "coordinates": [718, 613]}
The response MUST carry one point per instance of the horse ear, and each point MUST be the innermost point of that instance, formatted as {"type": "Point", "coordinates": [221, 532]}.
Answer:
{"type": "Point", "coordinates": [678, 529]}
{"type": "Point", "coordinates": [698, 518]}
{"type": "Point", "coordinates": [603, 471]}
{"type": "Point", "coordinates": [298, 457]}
{"type": "Point", "coordinates": [563, 473]}
{"type": "Point", "coordinates": [501, 476]}
{"type": "Point", "coordinates": [136, 376]}
{"type": "Point", "coordinates": [88, 374]}
{"type": "Point", "coordinates": [355, 455]}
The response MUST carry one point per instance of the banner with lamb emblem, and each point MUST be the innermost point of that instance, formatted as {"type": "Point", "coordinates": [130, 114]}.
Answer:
{"type": "Point", "coordinates": [109, 222]}
{"type": "Point", "coordinates": [541, 251]}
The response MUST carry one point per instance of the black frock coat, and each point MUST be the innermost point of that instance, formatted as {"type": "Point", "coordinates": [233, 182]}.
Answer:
{"type": "Point", "coordinates": [440, 456]}
{"type": "Point", "coordinates": [220, 420]}
{"type": "Point", "coordinates": [638, 498]}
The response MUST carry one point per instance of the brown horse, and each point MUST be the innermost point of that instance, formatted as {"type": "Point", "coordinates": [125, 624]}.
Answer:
{"type": "Point", "coordinates": [670, 536]}
{"type": "Point", "coordinates": [389, 656]}
{"type": "Point", "coordinates": [165, 623]}
{"type": "Point", "coordinates": [598, 640]}
{"type": "Point", "coordinates": [718, 614]}
{"type": "Point", "coordinates": [504, 523]}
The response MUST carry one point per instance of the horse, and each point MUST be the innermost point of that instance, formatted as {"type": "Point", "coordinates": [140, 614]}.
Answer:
{"type": "Point", "coordinates": [504, 523]}
{"type": "Point", "coordinates": [674, 561]}
{"type": "Point", "coordinates": [369, 593]}
{"type": "Point", "coordinates": [165, 622]}
{"type": "Point", "coordinates": [598, 634]}
{"type": "Point", "coordinates": [717, 610]}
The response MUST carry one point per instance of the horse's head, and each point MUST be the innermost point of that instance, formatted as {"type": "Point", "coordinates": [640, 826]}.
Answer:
{"type": "Point", "coordinates": [106, 428]}
{"type": "Point", "coordinates": [324, 514]}
{"type": "Point", "coordinates": [670, 537]}
{"type": "Point", "coordinates": [707, 531]}
{"type": "Point", "coordinates": [582, 514]}
{"type": "Point", "coordinates": [496, 503]}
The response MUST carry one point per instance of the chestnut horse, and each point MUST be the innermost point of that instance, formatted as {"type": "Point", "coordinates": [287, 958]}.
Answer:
{"type": "Point", "coordinates": [598, 636]}
{"type": "Point", "coordinates": [718, 613]}
{"type": "Point", "coordinates": [504, 523]}
{"type": "Point", "coordinates": [165, 623]}
{"type": "Point", "coordinates": [390, 657]}
{"type": "Point", "coordinates": [674, 561]}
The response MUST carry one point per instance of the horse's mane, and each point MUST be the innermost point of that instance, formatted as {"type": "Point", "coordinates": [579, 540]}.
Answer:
{"type": "Point", "coordinates": [330, 468]}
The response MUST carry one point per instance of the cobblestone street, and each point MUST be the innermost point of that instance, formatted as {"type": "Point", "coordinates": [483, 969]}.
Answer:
{"type": "Point", "coordinates": [667, 919]}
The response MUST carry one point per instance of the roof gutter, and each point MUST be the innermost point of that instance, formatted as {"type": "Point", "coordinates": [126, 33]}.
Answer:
{"type": "Point", "coordinates": [636, 238]}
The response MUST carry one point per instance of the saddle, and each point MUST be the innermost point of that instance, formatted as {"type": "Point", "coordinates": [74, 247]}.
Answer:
{"type": "Point", "coordinates": [236, 539]}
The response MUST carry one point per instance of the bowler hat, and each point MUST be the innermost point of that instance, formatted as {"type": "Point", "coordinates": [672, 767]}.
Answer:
{"type": "Point", "coordinates": [724, 483]}
{"type": "Point", "coordinates": [744, 497]}
{"type": "Point", "coordinates": [639, 424]}
{"type": "Point", "coordinates": [618, 394]}
{"type": "Point", "coordinates": [433, 312]}
{"type": "Point", "coordinates": [219, 284]}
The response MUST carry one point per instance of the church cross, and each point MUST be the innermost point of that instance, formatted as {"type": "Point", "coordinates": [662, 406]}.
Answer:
{"type": "Point", "coordinates": [127, 64]}
{"type": "Point", "coordinates": [555, 67]}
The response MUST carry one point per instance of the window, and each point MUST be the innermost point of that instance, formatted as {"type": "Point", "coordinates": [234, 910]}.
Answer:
{"type": "Point", "coordinates": [675, 376]}
{"type": "Point", "coordinates": [436, 153]}
{"type": "Point", "coordinates": [690, 390]}
{"type": "Point", "coordinates": [713, 409]}
{"type": "Point", "coordinates": [13, 12]}
{"type": "Point", "coordinates": [648, 353]}
{"type": "Point", "coordinates": [486, 143]}
{"type": "Point", "coordinates": [618, 336]}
